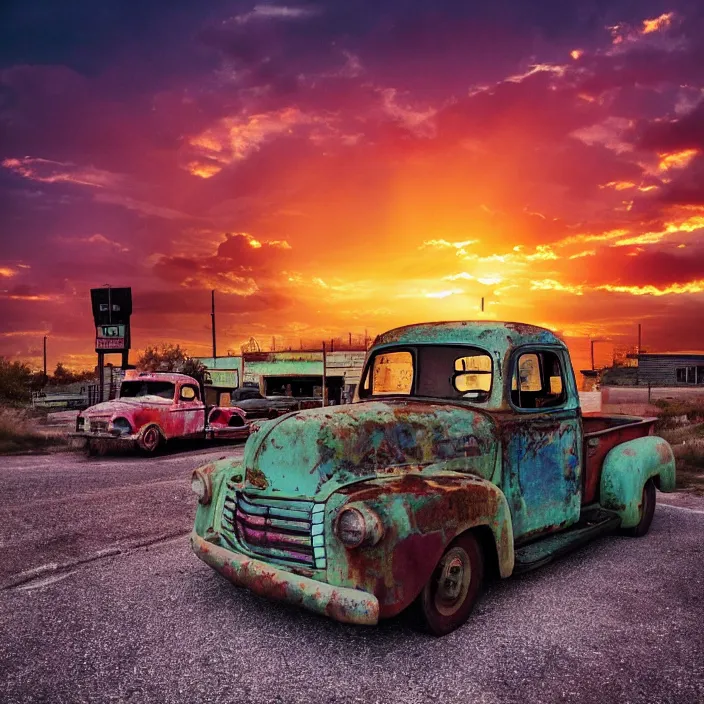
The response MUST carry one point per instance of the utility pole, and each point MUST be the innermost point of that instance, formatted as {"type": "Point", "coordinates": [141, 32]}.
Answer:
{"type": "Point", "coordinates": [45, 377]}
{"type": "Point", "coordinates": [350, 339]}
{"type": "Point", "coordinates": [639, 337]}
{"type": "Point", "coordinates": [325, 373]}
{"type": "Point", "coordinates": [482, 304]}
{"type": "Point", "coordinates": [212, 321]}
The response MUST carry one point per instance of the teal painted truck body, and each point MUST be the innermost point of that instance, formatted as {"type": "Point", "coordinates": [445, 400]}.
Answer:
{"type": "Point", "coordinates": [456, 429]}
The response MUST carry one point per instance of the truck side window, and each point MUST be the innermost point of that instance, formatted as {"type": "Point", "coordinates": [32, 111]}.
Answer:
{"type": "Point", "coordinates": [538, 381]}
{"type": "Point", "coordinates": [189, 393]}
{"type": "Point", "coordinates": [392, 373]}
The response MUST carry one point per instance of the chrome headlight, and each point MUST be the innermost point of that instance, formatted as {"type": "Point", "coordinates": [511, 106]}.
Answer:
{"type": "Point", "coordinates": [358, 525]}
{"type": "Point", "coordinates": [201, 486]}
{"type": "Point", "coordinates": [121, 426]}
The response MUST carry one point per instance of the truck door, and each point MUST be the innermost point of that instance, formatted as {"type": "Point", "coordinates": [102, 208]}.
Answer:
{"type": "Point", "coordinates": [187, 413]}
{"type": "Point", "coordinates": [542, 443]}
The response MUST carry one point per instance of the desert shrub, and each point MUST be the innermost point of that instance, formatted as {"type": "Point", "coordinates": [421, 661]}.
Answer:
{"type": "Point", "coordinates": [19, 432]}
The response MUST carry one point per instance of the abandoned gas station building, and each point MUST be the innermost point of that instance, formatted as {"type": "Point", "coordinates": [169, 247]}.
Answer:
{"type": "Point", "coordinates": [297, 373]}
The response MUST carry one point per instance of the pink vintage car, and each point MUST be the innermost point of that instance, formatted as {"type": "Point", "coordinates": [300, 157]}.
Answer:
{"type": "Point", "coordinates": [153, 408]}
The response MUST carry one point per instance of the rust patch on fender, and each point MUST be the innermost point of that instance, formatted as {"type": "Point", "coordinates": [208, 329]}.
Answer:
{"type": "Point", "coordinates": [257, 478]}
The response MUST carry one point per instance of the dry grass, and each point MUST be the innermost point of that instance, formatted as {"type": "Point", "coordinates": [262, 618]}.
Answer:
{"type": "Point", "coordinates": [681, 423]}
{"type": "Point", "coordinates": [19, 432]}
{"type": "Point", "coordinates": [688, 447]}
{"type": "Point", "coordinates": [680, 411]}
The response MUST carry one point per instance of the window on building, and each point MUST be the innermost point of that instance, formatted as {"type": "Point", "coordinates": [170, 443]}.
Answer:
{"type": "Point", "coordinates": [688, 375]}
{"type": "Point", "coordinates": [538, 381]}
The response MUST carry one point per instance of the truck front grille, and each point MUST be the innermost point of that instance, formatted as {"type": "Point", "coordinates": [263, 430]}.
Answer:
{"type": "Point", "coordinates": [283, 530]}
{"type": "Point", "coordinates": [98, 426]}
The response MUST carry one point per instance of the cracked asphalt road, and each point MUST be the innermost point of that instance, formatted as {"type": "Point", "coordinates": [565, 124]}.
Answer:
{"type": "Point", "coordinates": [619, 621]}
{"type": "Point", "coordinates": [66, 506]}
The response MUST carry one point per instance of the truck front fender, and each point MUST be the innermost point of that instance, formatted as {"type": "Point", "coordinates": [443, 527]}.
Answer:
{"type": "Point", "coordinates": [422, 515]}
{"type": "Point", "coordinates": [626, 470]}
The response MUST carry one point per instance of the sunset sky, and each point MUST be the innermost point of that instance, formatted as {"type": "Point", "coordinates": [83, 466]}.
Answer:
{"type": "Point", "coordinates": [334, 166]}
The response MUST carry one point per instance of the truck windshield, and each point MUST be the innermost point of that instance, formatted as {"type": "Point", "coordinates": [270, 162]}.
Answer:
{"type": "Point", "coordinates": [135, 389]}
{"type": "Point", "coordinates": [438, 371]}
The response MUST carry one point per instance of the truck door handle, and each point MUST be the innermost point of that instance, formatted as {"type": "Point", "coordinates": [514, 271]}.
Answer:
{"type": "Point", "coordinates": [593, 442]}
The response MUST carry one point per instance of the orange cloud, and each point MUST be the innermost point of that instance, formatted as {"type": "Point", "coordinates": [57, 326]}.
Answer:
{"type": "Point", "coordinates": [676, 160]}
{"type": "Point", "coordinates": [657, 23]}
{"type": "Point", "coordinates": [552, 285]}
{"type": "Point", "coordinates": [619, 185]}
{"type": "Point", "coordinates": [692, 287]}
{"type": "Point", "coordinates": [203, 169]}
{"type": "Point", "coordinates": [233, 139]}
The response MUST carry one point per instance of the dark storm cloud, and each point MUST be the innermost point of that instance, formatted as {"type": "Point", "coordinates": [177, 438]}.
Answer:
{"type": "Point", "coordinates": [686, 132]}
{"type": "Point", "coordinates": [240, 265]}
{"type": "Point", "coordinates": [687, 188]}
{"type": "Point", "coordinates": [660, 267]}
{"type": "Point", "coordinates": [156, 303]}
{"type": "Point", "coordinates": [87, 36]}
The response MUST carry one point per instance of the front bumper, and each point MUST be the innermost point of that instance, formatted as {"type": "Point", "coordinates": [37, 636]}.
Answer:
{"type": "Point", "coordinates": [104, 438]}
{"type": "Point", "coordinates": [340, 603]}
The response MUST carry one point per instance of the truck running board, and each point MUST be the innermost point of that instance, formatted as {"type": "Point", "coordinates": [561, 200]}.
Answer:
{"type": "Point", "coordinates": [592, 524]}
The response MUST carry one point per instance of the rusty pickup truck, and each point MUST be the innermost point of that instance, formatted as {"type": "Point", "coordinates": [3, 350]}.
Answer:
{"type": "Point", "coordinates": [153, 408]}
{"type": "Point", "coordinates": [465, 455]}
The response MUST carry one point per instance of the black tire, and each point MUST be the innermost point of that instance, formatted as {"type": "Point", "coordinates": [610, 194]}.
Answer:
{"type": "Point", "coordinates": [647, 511]}
{"type": "Point", "coordinates": [91, 448]}
{"type": "Point", "coordinates": [151, 440]}
{"type": "Point", "coordinates": [452, 590]}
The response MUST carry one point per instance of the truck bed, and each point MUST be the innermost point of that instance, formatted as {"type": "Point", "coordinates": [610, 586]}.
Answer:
{"type": "Point", "coordinates": [601, 433]}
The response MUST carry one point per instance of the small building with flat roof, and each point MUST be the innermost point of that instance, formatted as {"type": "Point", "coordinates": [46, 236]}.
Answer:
{"type": "Point", "coordinates": [670, 369]}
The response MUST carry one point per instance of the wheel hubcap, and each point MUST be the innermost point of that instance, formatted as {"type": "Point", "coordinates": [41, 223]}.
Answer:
{"type": "Point", "coordinates": [150, 439]}
{"type": "Point", "coordinates": [454, 576]}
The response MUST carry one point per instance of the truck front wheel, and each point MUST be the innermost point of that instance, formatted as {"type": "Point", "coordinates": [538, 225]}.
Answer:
{"type": "Point", "coordinates": [647, 510]}
{"type": "Point", "coordinates": [151, 440]}
{"type": "Point", "coordinates": [449, 595]}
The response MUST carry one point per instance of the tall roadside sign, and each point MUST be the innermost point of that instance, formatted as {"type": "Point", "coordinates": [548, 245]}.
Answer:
{"type": "Point", "coordinates": [112, 309]}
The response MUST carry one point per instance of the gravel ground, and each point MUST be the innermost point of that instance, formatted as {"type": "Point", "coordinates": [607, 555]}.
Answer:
{"type": "Point", "coordinates": [618, 621]}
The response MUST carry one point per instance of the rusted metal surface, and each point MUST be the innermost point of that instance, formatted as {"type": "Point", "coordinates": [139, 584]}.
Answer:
{"type": "Point", "coordinates": [542, 472]}
{"type": "Point", "coordinates": [369, 496]}
{"type": "Point", "coordinates": [344, 444]}
{"type": "Point", "coordinates": [146, 420]}
{"type": "Point", "coordinates": [601, 435]}
{"type": "Point", "coordinates": [627, 468]}
{"type": "Point", "coordinates": [342, 604]}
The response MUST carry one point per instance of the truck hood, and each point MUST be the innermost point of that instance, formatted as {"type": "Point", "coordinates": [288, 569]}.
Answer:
{"type": "Point", "coordinates": [315, 452]}
{"type": "Point", "coordinates": [125, 406]}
